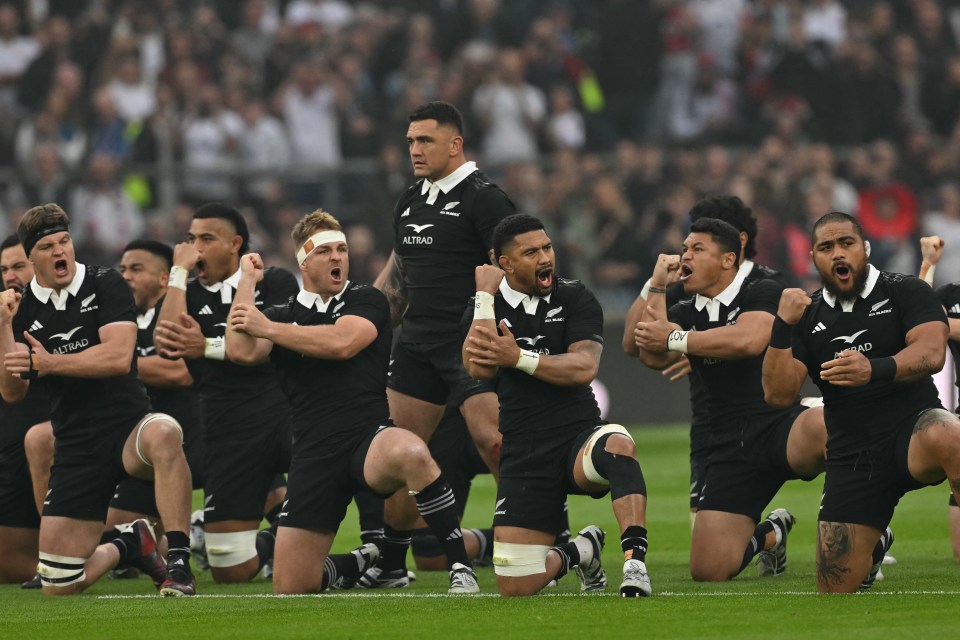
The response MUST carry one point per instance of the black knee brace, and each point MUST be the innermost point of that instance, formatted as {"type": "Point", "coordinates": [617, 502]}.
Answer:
{"type": "Point", "coordinates": [424, 544]}
{"type": "Point", "coordinates": [623, 472]}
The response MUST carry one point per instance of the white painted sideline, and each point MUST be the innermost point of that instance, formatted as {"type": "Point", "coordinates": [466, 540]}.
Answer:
{"type": "Point", "coordinates": [612, 594]}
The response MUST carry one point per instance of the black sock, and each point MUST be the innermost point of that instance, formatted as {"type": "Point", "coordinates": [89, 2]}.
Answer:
{"type": "Point", "coordinates": [265, 542]}
{"type": "Point", "coordinates": [178, 546]}
{"type": "Point", "coordinates": [485, 538]}
{"type": "Point", "coordinates": [569, 557]}
{"type": "Point", "coordinates": [757, 542]}
{"type": "Point", "coordinates": [439, 509]}
{"type": "Point", "coordinates": [128, 546]}
{"type": "Point", "coordinates": [370, 511]}
{"type": "Point", "coordinates": [564, 535]}
{"type": "Point", "coordinates": [109, 535]}
{"type": "Point", "coordinates": [633, 542]}
{"type": "Point", "coordinates": [273, 515]}
{"type": "Point", "coordinates": [881, 549]}
{"type": "Point", "coordinates": [393, 552]}
{"type": "Point", "coordinates": [341, 565]}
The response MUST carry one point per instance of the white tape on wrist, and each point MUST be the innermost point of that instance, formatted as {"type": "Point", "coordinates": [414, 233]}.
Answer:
{"type": "Point", "coordinates": [928, 276]}
{"type": "Point", "coordinates": [214, 348]}
{"type": "Point", "coordinates": [178, 278]}
{"type": "Point", "coordinates": [528, 361]}
{"type": "Point", "coordinates": [646, 290]}
{"type": "Point", "coordinates": [677, 341]}
{"type": "Point", "coordinates": [483, 307]}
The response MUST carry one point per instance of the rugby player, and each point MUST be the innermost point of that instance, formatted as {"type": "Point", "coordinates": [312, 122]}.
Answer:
{"type": "Point", "coordinates": [245, 413]}
{"type": "Point", "coordinates": [331, 347]}
{"type": "Point", "coordinates": [723, 331]}
{"type": "Point", "coordinates": [442, 229]}
{"type": "Point", "coordinates": [75, 326]}
{"type": "Point", "coordinates": [931, 249]}
{"type": "Point", "coordinates": [542, 336]}
{"type": "Point", "coordinates": [730, 209]}
{"type": "Point", "coordinates": [871, 341]}
{"type": "Point", "coordinates": [19, 515]}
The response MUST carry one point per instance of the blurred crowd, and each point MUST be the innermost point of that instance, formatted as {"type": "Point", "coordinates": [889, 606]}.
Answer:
{"type": "Point", "coordinates": [608, 118]}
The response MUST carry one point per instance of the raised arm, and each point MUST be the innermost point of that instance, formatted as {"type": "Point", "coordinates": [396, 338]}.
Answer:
{"type": "Point", "coordinates": [392, 282]}
{"type": "Point", "coordinates": [783, 374]}
{"type": "Point", "coordinates": [12, 387]}
{"type": "Point", "coordinates": [243, 343]}
{"type": "Point", "coordinates": [488, 279]}
{"type": "Point", "coordinates": [174, 307]}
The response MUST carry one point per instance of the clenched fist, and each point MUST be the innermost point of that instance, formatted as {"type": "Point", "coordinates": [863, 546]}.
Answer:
{"type": "Point", "coordinates": [793, 302]}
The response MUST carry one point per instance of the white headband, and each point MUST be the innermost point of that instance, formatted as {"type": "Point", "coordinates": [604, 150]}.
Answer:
{"type": "Point", "coordinates": [317, 239]}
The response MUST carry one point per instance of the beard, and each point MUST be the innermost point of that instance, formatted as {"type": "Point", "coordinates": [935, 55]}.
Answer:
{"type": "Point", "coordinates": [858, 283]}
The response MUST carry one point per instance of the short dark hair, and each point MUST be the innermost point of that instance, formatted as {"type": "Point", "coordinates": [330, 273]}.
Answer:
{"type": "Point", "coordinates": [443, 112]}
{"type": "Point", "coordinates": [10, 241]}
{"type": "Point", "coordinates": [723, 233]}
{"type": "Point", "coordinates": [509, 228]}
{"type": "Point", "coordinates": [157, 248]}
{"type": "Point", "coordinates": [40, 221]}
{"type": "Point", "coordinates": [733, 210]}
{"type": "Point", "coordinates": [231, 215]}
{"type": "Point", "coordinates": [834, 216]}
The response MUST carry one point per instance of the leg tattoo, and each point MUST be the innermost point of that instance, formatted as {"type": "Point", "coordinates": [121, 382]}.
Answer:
{"type": "Point", "coordinates": [835, 542]}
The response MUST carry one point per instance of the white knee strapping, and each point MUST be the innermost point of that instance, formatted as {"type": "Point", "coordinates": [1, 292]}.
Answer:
{"type": "Point", "coordinates": [515, 560]}
{"type": "Point", "coordinates": [588, 469]}
{"type": "Point", "coordinates": [150, 417]}
{"type": "Point", "coordinates": [60, 571]}
{"type": "Point", "coordinates": [231, 549]}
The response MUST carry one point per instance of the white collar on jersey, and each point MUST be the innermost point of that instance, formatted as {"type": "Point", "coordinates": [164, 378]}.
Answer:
{"type": "Point", "coordinates": [447, 183]}
{"type": "Point", "coordinates": [514, 298]}
{"type": "Point", "coordinates": [226, 292]}
{"type": "Point", "coordinates": [726, 296]}
{"type": "Point", "coordinates": [309, 299]}
{"type": "Point", "coordinates": [873, 274]}
{"type": "Point", "coordinates": [144, 319]}
{"type": "Point", "coordinates": [43, 294]}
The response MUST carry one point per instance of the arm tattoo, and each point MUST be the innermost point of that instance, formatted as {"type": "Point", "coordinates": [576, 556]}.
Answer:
{"type": "Point", "coordinates": [834, 544]}
{"type": "Point", "coordinates": [395, 288]}
{"type": "Point", "coordinates": [922, 369]}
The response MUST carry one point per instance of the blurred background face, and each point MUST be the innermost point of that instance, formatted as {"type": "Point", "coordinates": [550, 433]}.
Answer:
{"type": "Point", "coordinates": [15, 268]}
{"type": "Point", "coordinates": [146, 274]}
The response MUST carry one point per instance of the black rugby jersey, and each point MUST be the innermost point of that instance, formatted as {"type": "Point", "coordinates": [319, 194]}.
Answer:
{"type": "Point", "coordinates": [224, 384]}
{"type": "Point", "coordinates": [97, 297]}
{"type": "Point", "coordinates": [699, 395]}
{"type": "Point", "coordinates": [734, 387]}
{"type": "Point", "coordinates": [180, 402]}
{"type": "Point", "coordinates": [890, 305]}
{"type": "Point", "coordinates": [949, 296]}
{"type": "Point", "coordinates": [441, 244]}
{"type": "Point", "coordinates": [332, 397]}
{"type": "Point", "coordinates": [532, 408]}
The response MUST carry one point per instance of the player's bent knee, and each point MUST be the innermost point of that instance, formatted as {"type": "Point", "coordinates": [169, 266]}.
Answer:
{"type": "Point", "coordinates": [59, 574]}
{"type": "Point", "coordinates": [609, 459]}
{"type": "Point", "coordinates": [225, 550]}
{"type": "Point", "coordinates": [512, 560]}
{"type": "Point", "coordinates": [165, 435]}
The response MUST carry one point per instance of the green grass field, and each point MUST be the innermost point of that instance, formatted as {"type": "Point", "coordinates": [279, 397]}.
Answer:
{"type": "Point", "coordinates": [919, 598]}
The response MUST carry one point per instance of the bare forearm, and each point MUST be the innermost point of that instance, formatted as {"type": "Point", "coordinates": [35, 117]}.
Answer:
{"type": "Point", "coordinates": [634, 314]}
{"type": "Point", "coordinates": [781, 381]}
{"type": "Point", "coordinates": [325, 342]}
{"type": "Point", "coordinates": [99, 361]}
{"type": "Point", "coordinates": [12, 387]}
{"type": "Point", "coordinates": [729, 343]}
{"type": "Point", "coordinates": [392, 283]}
{"type": "Point", "coordinates": [155, 371]}
{"type": "Point", "coordinates": [474, 369]}
{"type": "Point", "coordinates": [918, 361]}
{"type": "Point", "coordinates": [567, 369]}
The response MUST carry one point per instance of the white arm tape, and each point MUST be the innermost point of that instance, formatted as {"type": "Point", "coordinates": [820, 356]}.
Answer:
{"type": "Point", "coordinates": [178, 278]}
{"type": "Point", "coordinates": [528, 361]}
{"type": "Point", "coordinates": [646, 290]}
{"type": "Point", "coordinates": [483, 307]}
{"type": "Point", "coordinates": [214, 348]}
{"type": "Point", "coordinates": [677, 341]}
{"type": "Point", "coordinates": [928, 276]}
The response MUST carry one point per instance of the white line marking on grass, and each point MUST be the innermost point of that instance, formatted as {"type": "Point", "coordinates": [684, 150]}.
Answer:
{"type": "Point", "coordinates": [418, 596]}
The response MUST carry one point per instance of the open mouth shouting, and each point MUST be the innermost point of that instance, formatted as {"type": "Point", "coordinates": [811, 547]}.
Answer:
{"type": "Point", "coordinates": [201, 270]}
{"type": "Point", "coordinates": [842, 272]}
{"type": "Point", "coordinates": [60, 268]}
{"type": "Point", "coordinates": [545, 277]}
{"type": "Point", "coordinates": [685, 272]}
{"type": "Point", "coordinates": [336, 274]}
